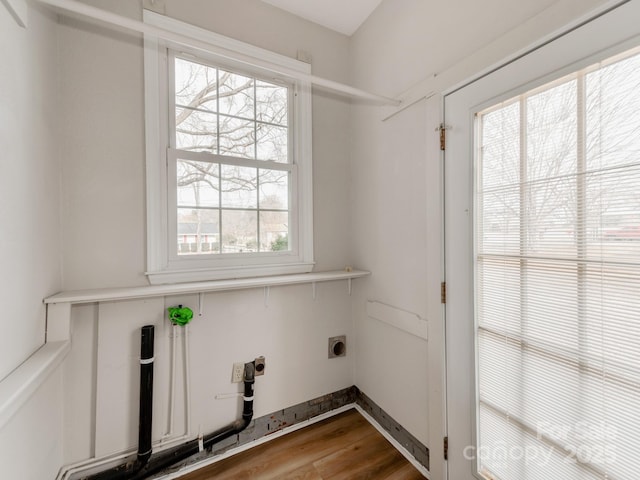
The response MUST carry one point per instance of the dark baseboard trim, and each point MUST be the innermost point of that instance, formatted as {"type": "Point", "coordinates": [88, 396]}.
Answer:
{"type": "Point", "coordinates": [419, 451]}
{"type": "Point", "coordinates": [269, 424]}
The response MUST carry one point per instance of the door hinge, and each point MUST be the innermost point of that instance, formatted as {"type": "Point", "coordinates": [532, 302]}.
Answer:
{"type": "Point", "coordinates": [442, 128]}
{"type": "Point", "coordinates": [443, 292]}
{"type": "Point", "coordinates": [443, 136]}
{"type": "Point", "coordinates": [446, 448]}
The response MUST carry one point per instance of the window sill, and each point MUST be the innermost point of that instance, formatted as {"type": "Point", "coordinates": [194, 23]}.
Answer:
{"type": "Point", "coordinates": [127, 293]}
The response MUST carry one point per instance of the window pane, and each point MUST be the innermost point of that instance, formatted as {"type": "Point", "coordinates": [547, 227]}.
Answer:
{"type": "Point", "coordinates": [613, 214]}
{"type": "Point", "coordinates": [499, 223]}
{"type": "Point", "coordinates": [551, 213]}
{"type": "Point", "coordinates": [196, 131]}
{"type": "Point", "coordinates": [239, 231]}
{"type": "Point", "coordinates": [195, 85]}
{"type": "Point", "coordinates": [613, 114]}
{"type": "Point", "coordinates": [500, 147]}
{"type": "Point", "coordinates": [236, 95]}
{"type": "Point", "coordinates": [237, 137]}
{"type": "Point", "coordinates": [274, 189]}
{"type": "Point", "coordinates": [198, 184]}
{"type": "Point", "coordinates": [239, 187]}
{"type": "Point", "coordinates": [272, 143]}
{"type": "Point", "coordinates": [198, 231]}
{"type": "Point", "coordinates": [274, 231]}
{"type": "Point", "coordinates": [551, 132]}
{"type": "Point", "coordinates": [271, 103]}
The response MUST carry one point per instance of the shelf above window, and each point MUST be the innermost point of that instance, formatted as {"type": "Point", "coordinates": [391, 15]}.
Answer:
{"type": "Point", "coordinates": [127, 293]}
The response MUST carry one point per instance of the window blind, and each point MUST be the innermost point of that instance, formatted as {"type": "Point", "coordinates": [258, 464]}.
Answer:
{"type": "Point", "coordinates": [557, 266]}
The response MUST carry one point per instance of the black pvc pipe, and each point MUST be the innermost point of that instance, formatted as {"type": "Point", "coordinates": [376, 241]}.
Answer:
{"type": "Point", "coordinates": [170, 457]}
{"type": "Point", "coordinates": [145, 416]}
{"type": "Point", "coordinates": [146, 394]}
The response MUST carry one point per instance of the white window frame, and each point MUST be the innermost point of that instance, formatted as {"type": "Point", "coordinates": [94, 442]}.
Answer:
{"type": "Point", "coordinates": [163, 264]}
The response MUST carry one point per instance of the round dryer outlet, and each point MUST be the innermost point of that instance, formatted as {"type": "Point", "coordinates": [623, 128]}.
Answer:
{"type": "Point", "coordinates": [338, 346]}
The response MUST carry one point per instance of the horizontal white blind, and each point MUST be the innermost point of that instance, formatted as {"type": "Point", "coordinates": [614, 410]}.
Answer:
{"type": "Point", "coordinates": [558, 278]}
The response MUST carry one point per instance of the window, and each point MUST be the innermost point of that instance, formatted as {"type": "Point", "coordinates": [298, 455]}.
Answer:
{"type": "Point", "coordinates": [558, 278]}
{"type": "Point", "coordinates": [228, 160]}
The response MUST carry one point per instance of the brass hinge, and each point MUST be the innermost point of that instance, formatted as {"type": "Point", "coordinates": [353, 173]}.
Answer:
{"type": "Point", "coordinates": [446, 448]}
{"type": "Point", "coordinates": [443, 292]}
{"type": "Point", "coordinates": [443, 136]}
{"type": "Point", "coordinates": [442, 128]}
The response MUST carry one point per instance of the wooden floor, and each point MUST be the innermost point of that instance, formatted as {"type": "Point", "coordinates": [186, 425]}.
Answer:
{"type": "Point", "coordinates": [345, 446]}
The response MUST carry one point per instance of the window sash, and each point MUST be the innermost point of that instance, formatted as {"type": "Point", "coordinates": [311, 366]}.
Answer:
{"type": "Point", "coordinates": [172, 55]}
{"type": "Point", "coordinates": [213, 260]}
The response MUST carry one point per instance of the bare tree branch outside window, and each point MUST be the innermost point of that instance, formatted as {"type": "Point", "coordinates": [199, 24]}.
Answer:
{"type": "Point", "coordinates": [227, 208]}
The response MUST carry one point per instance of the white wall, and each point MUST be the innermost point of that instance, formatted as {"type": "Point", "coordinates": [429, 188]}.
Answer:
{"type": "Point", "coordinates": [31, 446]}
{"type": "Point", "coordinates": [399, 49]}
{"type": "Point", "coordinates": [104, 240]}
{"type": "Point", "coordinates": [30, 235]}
{"type": "Point", "coordinates": [29, 183]}
{"type": "Point", "coordinates": [103, 135]}
{"type": "Point", "coordinates": [289, 328]}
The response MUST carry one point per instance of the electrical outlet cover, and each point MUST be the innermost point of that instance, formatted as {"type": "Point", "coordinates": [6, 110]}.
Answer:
{"type": "Point", "coordinates": [238, 373]}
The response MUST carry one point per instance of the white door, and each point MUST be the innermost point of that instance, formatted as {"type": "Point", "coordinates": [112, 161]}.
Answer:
{"type": "Point", "coordinates": [504, 438]}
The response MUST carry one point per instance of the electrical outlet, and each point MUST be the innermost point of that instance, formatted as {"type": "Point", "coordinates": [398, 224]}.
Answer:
{"type": "Point", "coordinates": [238, 373]}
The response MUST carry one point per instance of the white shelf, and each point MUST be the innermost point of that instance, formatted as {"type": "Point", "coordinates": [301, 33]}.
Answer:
{"type": "Point", "coordinates": [127, 293]}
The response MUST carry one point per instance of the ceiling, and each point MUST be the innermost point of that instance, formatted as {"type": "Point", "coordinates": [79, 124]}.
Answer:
{"type": "Point", "coordinates": [339, 15]}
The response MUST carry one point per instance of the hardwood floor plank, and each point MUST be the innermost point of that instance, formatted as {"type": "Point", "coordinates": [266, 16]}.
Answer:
{"type": "Point", "coordinates": [308, 472]}
{"type": "Point", "coordinates": [345, 446]}
{"type": "Point", "coordinates": [370, 457]}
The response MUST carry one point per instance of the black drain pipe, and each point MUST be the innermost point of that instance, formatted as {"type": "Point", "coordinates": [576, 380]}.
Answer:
{"type": "Point", "coordinates": [146, 395]}
{"type": "Point", "coordinates": [129, 469]}
{"type": "Point", "coordinates": [170, 457]}
{"type": "Point", "coordinates": [174, 455]}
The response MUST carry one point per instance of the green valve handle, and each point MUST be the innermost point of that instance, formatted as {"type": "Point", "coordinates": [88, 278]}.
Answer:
{"type": "Point", "coordinates": [179, 315]}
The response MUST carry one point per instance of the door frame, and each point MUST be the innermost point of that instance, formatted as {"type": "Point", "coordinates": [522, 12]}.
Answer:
{"type": "Point", "coordinates": [567, 58]}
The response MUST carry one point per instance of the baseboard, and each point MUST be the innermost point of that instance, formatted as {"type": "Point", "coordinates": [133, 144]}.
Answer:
{"type": "Point", "coordinates": [269, 427]}
{"type": "Point", "coordinates": [410, 443]}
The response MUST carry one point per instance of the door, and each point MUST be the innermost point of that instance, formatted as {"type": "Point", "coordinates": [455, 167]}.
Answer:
{"type": "Point", "coordinates": [542, 260]}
